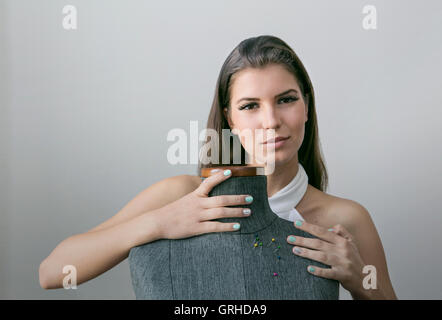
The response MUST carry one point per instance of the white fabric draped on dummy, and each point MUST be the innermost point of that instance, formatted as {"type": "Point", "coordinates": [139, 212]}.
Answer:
{"type": "Point", "coordinates": [284, 201]}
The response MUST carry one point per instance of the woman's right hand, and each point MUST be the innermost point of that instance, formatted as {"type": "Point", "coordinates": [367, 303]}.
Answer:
{"type": "Point", "coordinates": [190, 215]}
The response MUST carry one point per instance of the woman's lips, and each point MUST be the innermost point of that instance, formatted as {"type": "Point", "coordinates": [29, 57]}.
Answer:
{"type": "Point", "coordinates": [275, 140]}
{"type": "Point", "coordinates": [276, 143]}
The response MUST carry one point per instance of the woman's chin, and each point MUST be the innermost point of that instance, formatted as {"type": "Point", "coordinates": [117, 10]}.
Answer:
{"type": "Point", "coordinates": [278, 158]}
{"type": "Point", "coordinates": [270, 161]}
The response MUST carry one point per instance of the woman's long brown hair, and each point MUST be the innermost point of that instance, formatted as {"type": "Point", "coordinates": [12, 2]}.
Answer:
{"type": "Point", "coordinates": [257, 52]}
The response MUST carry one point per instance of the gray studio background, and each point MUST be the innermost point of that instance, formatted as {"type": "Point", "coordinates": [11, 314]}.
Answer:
{"type": "Point", "coordinates": [85, 115]}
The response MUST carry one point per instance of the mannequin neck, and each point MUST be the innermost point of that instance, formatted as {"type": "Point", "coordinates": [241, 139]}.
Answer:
{"type": "Point", "coordinates": [256, 186]}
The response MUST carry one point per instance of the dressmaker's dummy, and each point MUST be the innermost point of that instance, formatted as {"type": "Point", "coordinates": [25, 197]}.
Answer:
{"type": "Point", "coordinates": [228, 265]}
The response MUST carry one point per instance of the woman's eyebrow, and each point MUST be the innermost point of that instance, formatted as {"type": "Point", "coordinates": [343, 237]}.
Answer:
{"type": "Point", "coordinates": [278, 95]}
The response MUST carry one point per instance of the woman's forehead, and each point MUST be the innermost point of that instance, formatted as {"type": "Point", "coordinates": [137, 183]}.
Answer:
{"type": "Point", "coordinates": [265, 82]}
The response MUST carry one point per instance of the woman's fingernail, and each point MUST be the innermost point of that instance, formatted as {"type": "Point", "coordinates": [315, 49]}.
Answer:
{"type": "Point", "coordinates": [249, 199]}
{"type": "Point", "coordinates": [236, 226]}
{"type": "Point", "coordinates": [227, 172]}
{"type": "Point", "coordinates": [292, 239]}
{"type": "Point", "coordinates": [331, 229]}
{"type": "Point", "coordinates": [311, 269]}
{"type": "Point", "coordinates": [247, 211]}
{"type": "Point", "coordinates": [297, 250]}
{"type": "Point", "coordinates": [298, 223]}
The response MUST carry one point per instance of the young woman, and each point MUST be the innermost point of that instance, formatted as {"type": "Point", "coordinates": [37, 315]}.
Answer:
{"type": "Point", "coordinates": [262, 85]}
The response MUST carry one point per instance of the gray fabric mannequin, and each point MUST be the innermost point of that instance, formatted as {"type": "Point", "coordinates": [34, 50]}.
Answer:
{"type": "Point", "coordinates": [227, 265]}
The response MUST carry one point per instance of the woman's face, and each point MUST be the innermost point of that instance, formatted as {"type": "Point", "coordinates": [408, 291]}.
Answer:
{"type": "Point", "coordinates": [276, 103]}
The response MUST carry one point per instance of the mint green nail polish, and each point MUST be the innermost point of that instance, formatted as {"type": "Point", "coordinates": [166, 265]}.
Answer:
{"type": "Point", "coordinates": [249, 199]}
{"type": "Point", "coordinates": [292, 239]}
{"type": "Point", "coordinates": [236, 226]}
{"type": "Point", "coordinates": [331, 229]}
{"type": "Point", "coordinates": [298, 223]}
{"type": "Point", "coordinates": [227, 172]}
{"type": "Point", "coordinates": [311, 269]}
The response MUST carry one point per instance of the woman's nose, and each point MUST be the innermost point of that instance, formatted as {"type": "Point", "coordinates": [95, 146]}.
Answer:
{"type": "Point", "coordinates": [270, 118]}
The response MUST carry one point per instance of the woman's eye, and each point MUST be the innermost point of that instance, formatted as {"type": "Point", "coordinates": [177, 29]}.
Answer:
{"type": "Point", "coordinates": [290, 99]}
{"type": "Point", "coordinates": [286, 99]}
{"type": "Point", "coordinates": [246, 106]}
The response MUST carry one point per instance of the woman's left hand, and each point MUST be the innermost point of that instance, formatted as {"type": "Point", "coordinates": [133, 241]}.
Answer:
{"type": "Point", "coordinates": [334, 247]}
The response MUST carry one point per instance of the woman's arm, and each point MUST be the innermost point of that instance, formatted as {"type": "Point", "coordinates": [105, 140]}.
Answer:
{"type": "Point", "coordinates": [93, 253]}
{"type": "Point", "coordinates": [101, 248]}
{"type": "Point", "coordinates": [364, 232]}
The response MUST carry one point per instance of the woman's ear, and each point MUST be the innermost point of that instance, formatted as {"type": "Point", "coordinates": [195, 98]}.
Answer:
{"type": "Point", "coordinates": [306, 107]}
{"type": "Point", "coordinates": [226, 114]}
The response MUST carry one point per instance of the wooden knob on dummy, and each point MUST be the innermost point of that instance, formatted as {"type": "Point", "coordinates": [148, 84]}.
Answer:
{"type": "Point", "coordinates": [237, 171]}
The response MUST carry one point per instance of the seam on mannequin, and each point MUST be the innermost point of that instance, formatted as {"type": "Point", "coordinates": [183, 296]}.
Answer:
{"type": "Point", "coordinates": [170, 270]}
{"type": "Point", "coordinates": [265, 227]}
{"type": "Point", "coordinates": [246, 292]}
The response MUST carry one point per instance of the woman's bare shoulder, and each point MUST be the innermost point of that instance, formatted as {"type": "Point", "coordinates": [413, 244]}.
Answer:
{"type": "Point", "coordinates": [153, 197]}
{"type": "Point", "coordinates": [328, 210]}
{"type": "Point", "coordinates": [346, 212]}
{"type": "Point", "coordinates": [184, 183]}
